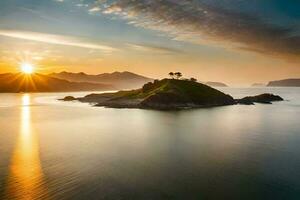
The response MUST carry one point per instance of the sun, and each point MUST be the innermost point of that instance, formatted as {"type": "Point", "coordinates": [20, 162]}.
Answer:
{"type": "Point", "coordinates": [27, 68]}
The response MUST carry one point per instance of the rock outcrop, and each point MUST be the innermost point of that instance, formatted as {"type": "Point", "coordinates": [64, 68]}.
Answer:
{"type": "Point", "coordinates": [263, 98]}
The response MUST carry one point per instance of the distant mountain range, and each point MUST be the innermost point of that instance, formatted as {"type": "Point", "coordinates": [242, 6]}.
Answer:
{"type": "Point", "coordinates": [67, 82]}
{"type": "Point", "coordinates": [120, 80]}
{"type": "Point", "coordinates": [14, 83]}
{"type": "Point", "coordinates": [285, 83]}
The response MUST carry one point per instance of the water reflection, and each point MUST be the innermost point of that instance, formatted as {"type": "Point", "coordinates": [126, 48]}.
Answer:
{"type": "Point", "coordinates": [25, 179]}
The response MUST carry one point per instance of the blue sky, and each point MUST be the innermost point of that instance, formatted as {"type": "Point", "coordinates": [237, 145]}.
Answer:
{"type": "Point", "coordinates": [210, 36]}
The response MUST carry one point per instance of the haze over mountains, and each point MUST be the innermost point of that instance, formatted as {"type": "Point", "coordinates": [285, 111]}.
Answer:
{"type": "Point", "coordinates": [67, 82]}
{"type": "Point", "coordinates": [120, 80]}
{"type": "Point", "coordinates": [14, 83]}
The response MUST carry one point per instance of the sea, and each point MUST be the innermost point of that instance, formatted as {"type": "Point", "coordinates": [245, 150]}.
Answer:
{"type": "Point", "coordinates": [51, 149]}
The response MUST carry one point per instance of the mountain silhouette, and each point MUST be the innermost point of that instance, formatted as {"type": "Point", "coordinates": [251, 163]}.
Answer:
{"type": "Point", "coordinates": [120, 80]}
{"type": "Point", "coordinates": [14, 83]}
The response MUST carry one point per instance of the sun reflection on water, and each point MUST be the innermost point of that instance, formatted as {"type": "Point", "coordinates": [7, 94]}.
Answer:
{"type": "Point", "coordinates": [25, 179]}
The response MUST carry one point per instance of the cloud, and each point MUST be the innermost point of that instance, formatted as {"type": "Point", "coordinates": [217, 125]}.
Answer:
{"type": "Point", "coordinates": [55, 39]}
{"type": "Point", "coordinates": [199, 22]}
{"type": "Point", "coordinates": [94, 9]}
{"type": "Point", "coordinates": [82, 5]}
{"type": "Point", "coordinates": [153, 49]}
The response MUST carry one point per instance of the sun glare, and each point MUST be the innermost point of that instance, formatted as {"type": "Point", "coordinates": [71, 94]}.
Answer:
{"type": "Point", "coordinates": [27, 68]}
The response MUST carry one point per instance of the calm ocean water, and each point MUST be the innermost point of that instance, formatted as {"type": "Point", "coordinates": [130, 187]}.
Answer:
{"type": "Point", "coordinates": [59, 150]}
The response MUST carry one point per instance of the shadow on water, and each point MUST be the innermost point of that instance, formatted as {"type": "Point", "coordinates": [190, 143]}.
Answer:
{"type": "Point", "coordinates": [25, 177]}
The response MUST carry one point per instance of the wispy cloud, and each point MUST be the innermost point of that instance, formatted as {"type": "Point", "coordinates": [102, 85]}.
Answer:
{"type": "Point", "coordinates": [198, 21]}
{"type": "Point", "coordinates": [55, 39]}
{"type": "Point", "coordinates": [94, 9]}
{"type": "Point", "coordinates": [153, 49]}
{"type": "Point", "coordinates": [82, 5]}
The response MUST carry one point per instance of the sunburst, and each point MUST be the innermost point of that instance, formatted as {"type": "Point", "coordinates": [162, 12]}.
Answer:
{"type": "Point", "coordinates": [27, 68]}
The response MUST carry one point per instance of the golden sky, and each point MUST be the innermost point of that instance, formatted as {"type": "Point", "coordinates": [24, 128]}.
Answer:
{"type": "Point", "coordinates": [238, 44]}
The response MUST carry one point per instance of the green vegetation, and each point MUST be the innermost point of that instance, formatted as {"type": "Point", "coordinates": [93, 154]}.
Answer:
{"type": "Point", "coordinates": [184, 93]}
{"type": "Point", "coordinates": [164, 94]}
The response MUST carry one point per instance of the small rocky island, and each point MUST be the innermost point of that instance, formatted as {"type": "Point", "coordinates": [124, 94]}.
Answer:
{"type": "Point", "coordinates": [216, 84]}
{"type": "Point", "coordinates": [263, 98]}
{"type": "Point", "coordinates": [285, 83]}
{"type": "Point", "coordinates": [170, 94]}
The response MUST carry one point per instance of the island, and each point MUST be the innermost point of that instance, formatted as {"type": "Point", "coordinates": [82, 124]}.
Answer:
{"type": "Point", "coordinates": [258, 85]}
{"type": "Point", "coordinates": [119, 80]}
{"type": "Point", "coordinates": [285, 83]}
{"type": "Point", "coordinates": [69, 98]}
{"type": "Point", "coordinates": [216, 84]}
{"type": "Point", "coordinates": [170, 94]}
{"type": "Point", "coordinates": [263, 98]}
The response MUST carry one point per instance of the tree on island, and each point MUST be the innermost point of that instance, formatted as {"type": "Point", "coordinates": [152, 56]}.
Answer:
{"type": "Point", "coordinates": [193, 80]}
{"type": "Point", "coordinates": [171, 74]}
{"type": "Point", "coordinates": [178, 75]}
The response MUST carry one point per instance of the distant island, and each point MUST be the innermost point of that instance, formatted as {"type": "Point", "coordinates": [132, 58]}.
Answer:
{"type": "Point", "coordinates": [216, 84]}
{"type": "Point", "coordinates": [262, 98]}
{"type": "Point", "coordinates": [258, 85]}
{"type": "Point", "coordinates": [285, 83]}
{"type": "Point", "coordinates": [168, 94]}
{"type": "Point", "coordinates": [119, 80]}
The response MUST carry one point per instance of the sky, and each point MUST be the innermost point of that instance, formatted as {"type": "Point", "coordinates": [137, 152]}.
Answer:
{"type": "Point", "coordinates": [238, 42]}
